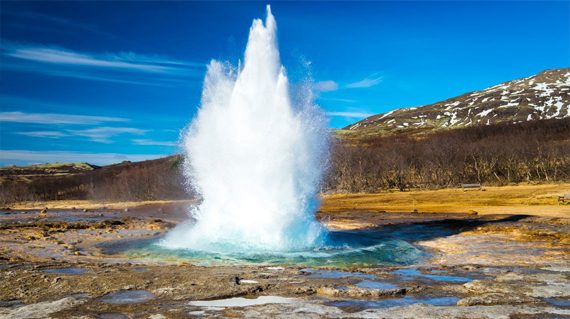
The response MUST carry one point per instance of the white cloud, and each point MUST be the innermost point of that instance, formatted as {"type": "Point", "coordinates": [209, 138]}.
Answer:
{"type": "Point", "coordinates": [349, 114]}
{"type": "Point", "coordinates": [122, 60]}
{"type": "Point", "coordinates": [153, 142]}
{"type": "Point", "coordinates": [329, 85]}
{"type": "Point", "coordinates": [31, 157]}
{"type": "Point", "coordinates": [64, 62]}
{"type": "Point", "coordinates": [45, 134]}
{"type": "Point", "coordinates": [369, 81]}
{"type": "Point", "coordinates": [326, 86]}
{"type": "Point", "coordinates": [104, 134]}
{"type": "Point", "coordinates": [55, 118]}
{"type": "Point", "coordinates": [337, 99]}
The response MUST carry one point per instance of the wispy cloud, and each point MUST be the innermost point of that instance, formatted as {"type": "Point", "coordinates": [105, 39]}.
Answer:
{"type": "Point", "coordinates": [153, 142]}
{"type": "Point", "coordinates": [8, 157]}
{"type": "Point", "coordinates": [55, 118]}
{"type": "Point", "coordinates": [96, 134]}
{"type": "Point", "coordinates": [113, 67]}
{"type": "Point", "coordinates": [330, 85]}
{"type": "Point", "coordinates": [325, 86]}
{"type": "Point", "coordinates": [337, 99]}
{"type": "Point", "coordinates": [44, 134]}
{"type": "Point", "coordinates": [367, 82]}
{"type": "Point", "coordinates": [104, 134]}
{"type": "Point", "coordinates": [62, 56]}
{"type": "Point", "coordinates": [349, 114]}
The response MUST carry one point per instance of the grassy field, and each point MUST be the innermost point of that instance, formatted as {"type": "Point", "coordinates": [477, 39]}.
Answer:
{"type": "Point", "coordinates": [522, 199]}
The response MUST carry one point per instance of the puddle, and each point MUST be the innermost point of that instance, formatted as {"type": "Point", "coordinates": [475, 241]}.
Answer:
{"type": "Point", "coordinates": [332, 274]}
{"type": "Point", "coordinates": [370, 284]}
{"type": "Point", "coordinates": [112, 315]}
{"type": "Point", "coordinates": [127, 296]}
{"type": "Point", "coordinates": [559, 302]}
{"type": "Point", "coordinates": [65, 271]}
{"type": "Point", "coordinates": [140, 269]}
{"type": "Point", "coordinates": [358, 305]}
{"type": "Point", "coordinates": [414, 274]}
{"type": "Point", "coordinates": [241, 302]}
{"type": "Point", "coordinates": [15, 212]}
{"type": "Point", "coordinates": [73, 218]}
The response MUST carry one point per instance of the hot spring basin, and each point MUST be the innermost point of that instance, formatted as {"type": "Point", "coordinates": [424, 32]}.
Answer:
{"type": "Point", "coordinates": [343, 248]}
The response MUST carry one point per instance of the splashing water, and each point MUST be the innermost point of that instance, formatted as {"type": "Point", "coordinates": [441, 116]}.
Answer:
{"type": "Point", "coordinates": [255, 157]}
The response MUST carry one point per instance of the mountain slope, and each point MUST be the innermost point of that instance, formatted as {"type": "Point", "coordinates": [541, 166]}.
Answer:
{"type": "Point", "coordinates": [542, 96]}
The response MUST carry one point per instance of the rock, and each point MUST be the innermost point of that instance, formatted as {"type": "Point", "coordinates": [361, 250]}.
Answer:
{"type": "Point", "coordinates": [305, 291]}
{"type": "Point", "coordinates": [41, 309]}
{"type": "Point", "coordinates": [511, 276]}
{"type": "Point", "coordinates": [494, 299]}
{"type": "Point", "coordinates": [357, 292]}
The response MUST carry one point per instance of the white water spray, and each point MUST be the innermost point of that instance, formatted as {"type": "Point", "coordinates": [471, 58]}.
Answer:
{"type": "Point", "coordinates": [255, 157]}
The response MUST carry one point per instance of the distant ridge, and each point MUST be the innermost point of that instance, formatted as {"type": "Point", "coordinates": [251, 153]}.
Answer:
{"type": "Point", "coordinates": [545, 95]}
{"type": "Point", "coordinates": [48, 169]}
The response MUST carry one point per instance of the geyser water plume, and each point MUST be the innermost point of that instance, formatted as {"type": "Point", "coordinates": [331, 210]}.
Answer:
{"type": "Point", "coordinates": [255, 157]}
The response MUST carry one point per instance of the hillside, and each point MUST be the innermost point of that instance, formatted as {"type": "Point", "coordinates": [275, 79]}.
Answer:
{"type": "Point", "coordinates": [496, 154]}
{"type": "Point", "coordinates": [146, 180]}
{"type": "Point", "coordinates": [47, 169]}
{"type": "Point", "coordinates": [543, 96]}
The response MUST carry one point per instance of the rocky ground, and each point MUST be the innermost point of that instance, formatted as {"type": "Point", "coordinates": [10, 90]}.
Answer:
{"type": "Point", "coordinates": [59, 264]}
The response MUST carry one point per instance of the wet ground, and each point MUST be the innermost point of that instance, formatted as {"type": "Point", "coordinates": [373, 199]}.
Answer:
{"type": "Point", "coordinates": [89, 264]}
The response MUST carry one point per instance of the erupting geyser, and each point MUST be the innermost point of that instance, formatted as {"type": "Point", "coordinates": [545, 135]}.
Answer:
{"type": "Point", "coordinates": [255, 157]}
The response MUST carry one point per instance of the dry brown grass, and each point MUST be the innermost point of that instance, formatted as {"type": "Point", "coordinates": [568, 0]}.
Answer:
{"type": "Point", "coordinates": [539, 200]}
{"type": "Point", "coordinates": [521, 199]}
{"type": "Point", "coordinates": [88, 204]}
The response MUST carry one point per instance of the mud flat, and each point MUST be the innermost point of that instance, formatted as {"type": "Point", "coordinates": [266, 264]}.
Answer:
{"type": "Point", "coordinates": [75, 263]}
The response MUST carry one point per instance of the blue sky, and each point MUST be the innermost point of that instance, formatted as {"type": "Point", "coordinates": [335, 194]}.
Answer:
{"type": "Point", "coordinates": [102, 82]}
